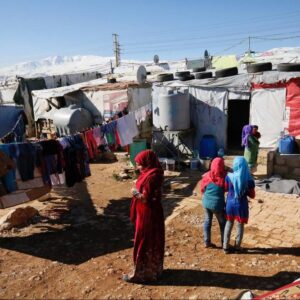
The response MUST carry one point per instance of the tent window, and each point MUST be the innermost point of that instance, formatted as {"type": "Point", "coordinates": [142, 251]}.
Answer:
{"type": "Point", "coordinates": [238, 116]}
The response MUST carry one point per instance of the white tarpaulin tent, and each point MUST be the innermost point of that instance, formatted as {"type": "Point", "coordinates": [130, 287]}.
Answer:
{"type": "Point", "coordinates": [209, 114]}
{"type": "Point", "coordinates": [209, 102]}
{"type": "Point", "coordinates": [268, 113]}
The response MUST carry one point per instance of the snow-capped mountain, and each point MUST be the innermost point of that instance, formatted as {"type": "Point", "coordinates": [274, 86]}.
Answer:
{"type": "Point", "coordinates": [88, 63]}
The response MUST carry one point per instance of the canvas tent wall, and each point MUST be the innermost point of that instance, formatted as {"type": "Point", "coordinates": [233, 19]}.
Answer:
{"type": "Point", "coordinates": [8, 89]}
{"type": "Point", "coordinates": [25, 86]}
{"type": "Point", "coordinates": [275, 106]}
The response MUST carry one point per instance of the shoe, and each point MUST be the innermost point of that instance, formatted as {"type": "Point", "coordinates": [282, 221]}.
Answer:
{"type": "Point", "coordinates": [226, 251]}
{"type": "Point", "coordinates": [239, 250]}
{"type": "Point", "coordinates": [210, 245]}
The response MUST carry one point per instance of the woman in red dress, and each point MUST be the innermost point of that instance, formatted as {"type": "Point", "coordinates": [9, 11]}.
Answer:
{"type": "Point", "coordinates": [146, 213]}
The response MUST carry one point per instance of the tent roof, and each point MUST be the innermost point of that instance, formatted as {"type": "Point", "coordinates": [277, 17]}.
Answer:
{"type": "Point", "coordinates": [240, 82]}
{"type": "Point", "coordinates": [61, 91]}
{"type": "Point", "coordinates": [93, 85]}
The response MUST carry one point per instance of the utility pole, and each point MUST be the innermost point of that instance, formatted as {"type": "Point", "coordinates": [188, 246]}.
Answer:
{"type": "Point", "coordinates": [117, 49]}
{"type": "Point", "coordinates": [249, 47]}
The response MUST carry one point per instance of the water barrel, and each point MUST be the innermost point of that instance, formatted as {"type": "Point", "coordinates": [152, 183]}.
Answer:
{"type": "Point", "coordinates": [71, 119]}
{"type": "Point", "coordinates": [174, 110]}
{"type": "Point", "coordinates": [208, 146]}
{"type": "Point", "coordinates": [287, 145]}
{"type": "Point", "coordinates": [135, 148]}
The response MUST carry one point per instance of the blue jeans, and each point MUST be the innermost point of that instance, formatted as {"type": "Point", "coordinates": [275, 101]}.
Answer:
{"type": "Point", "coordinates": [208, 222]}
{"type": "Point", "coordinates": [239, 234]}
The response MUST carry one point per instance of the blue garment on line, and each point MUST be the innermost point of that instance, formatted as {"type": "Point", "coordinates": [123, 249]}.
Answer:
{"type": "Point", "coordinates": [10, 179]}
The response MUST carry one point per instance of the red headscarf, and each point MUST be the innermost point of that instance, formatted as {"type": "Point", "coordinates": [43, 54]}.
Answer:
{"type": "Point", "coordinates": [216, 174]}
{"type": "Point", "coordinates": [151, 165]}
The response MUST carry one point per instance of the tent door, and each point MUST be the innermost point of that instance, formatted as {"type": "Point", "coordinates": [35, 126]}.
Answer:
{"type": "Point", "coordinates": [238, 115]}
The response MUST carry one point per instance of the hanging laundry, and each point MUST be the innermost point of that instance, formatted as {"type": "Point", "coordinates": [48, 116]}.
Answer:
{"type": "Point", "coordinates": [26, 160]}
{"type": "Point", "coordinates": [127, 129]}
{"type": "Point", "coordinates": [91, 144]}
{"type": "Point", "coordinates": [9, 180]}
{"type": "Point", "coordinates": [97, 135]}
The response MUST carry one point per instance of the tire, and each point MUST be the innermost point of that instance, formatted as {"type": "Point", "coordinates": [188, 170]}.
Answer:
{"type": "Point", "coordinates": [202, 69]}
{"type": "Point", "coordinates": [111, 80]}
{"type": "Point", "coordinates": [227, 72]}
{"type": "Point", "coordinates": [260, 67]}
{"type": "Point", "coordinates": [185, 78]}
{"type": "Point", "coordinates": [287, 67]}
{"type": "Point", "coordinates": [165, 77]}
{"type": "Point", "coordinates": [182, 73]}
{"type": "Point", "coordinates": [203, 75]}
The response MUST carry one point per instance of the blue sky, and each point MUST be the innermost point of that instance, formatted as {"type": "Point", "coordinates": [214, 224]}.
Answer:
{"type": "Point", "coordinates": [173, 29]}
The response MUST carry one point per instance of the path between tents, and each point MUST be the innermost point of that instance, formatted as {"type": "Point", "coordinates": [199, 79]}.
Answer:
{"type": "Point", "coordinates": [83, 248]}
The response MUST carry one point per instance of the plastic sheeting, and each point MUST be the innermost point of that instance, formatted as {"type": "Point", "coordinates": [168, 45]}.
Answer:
{"type": "Point", "coordinates": [208, 114]}
{"type": "Point", "coordinates": [8, 118]}
{"type": "Point", "coordinates": [293, 105]}
{"type": "Point", "coordinates": [267, 111]}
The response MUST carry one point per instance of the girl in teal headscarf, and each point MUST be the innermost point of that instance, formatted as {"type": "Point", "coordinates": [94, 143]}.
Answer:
{"type": "Point", "coordinates": [240, 185]}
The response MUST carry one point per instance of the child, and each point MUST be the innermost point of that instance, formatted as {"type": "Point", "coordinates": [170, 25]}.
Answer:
{"type": "Point", "coordinates": [251, 144]}
{"type": "Point", "coordinates": [240, 185]}
{"type": "Point", "coordinates": [212, 187]}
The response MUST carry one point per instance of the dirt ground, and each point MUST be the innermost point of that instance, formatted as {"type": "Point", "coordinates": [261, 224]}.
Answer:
{"type": "Point", "coordinates": [81, 244]}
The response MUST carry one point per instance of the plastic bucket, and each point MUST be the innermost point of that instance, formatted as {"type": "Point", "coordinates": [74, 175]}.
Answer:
{"type": "Point", "coordinates": [135, 148]}
{"type": "Point", "coordinates": [194, 164]}
{"type": "Point", "coordinates": [170, 164]}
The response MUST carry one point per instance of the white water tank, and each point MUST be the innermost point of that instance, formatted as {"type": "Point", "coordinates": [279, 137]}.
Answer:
{"type": "Point", "coordinates": [174, 110]}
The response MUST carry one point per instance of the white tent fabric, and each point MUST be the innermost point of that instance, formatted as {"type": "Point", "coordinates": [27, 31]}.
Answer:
{"type": "Point", "coordinates": [268, 112]}
{"type": "Point", "coordinates": [208, 113]}
{"type": "Point", "coordinates": [61, 91]}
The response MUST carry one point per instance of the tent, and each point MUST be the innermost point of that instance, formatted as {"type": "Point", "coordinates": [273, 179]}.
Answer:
{"type": "Point", "coordinates": [100, 98]}
{"type": "Point", "coordinates": [222, 106]}
{"type": "Point", "coordinates": [18, 90]}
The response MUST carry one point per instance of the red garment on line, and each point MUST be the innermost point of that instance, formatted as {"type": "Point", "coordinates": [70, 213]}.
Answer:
{"type": "Point", "coordinates": [149, 238]}
{"type": "Point", "coordinates": [91, 144]}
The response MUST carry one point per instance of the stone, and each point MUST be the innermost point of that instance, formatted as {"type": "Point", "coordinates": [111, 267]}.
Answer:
{"type": "Point", "coordinates": [18, 217]}
{"type": "Point", "coordinates": [123, 175]}
{"type": "Point", "coordinates": [110, 271]}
